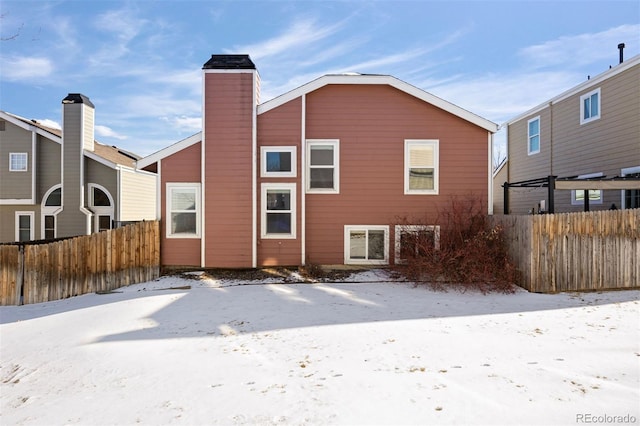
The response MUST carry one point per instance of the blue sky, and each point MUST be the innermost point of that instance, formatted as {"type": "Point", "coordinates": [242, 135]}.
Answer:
{"type": "Point", "coordinates": [140, 61]}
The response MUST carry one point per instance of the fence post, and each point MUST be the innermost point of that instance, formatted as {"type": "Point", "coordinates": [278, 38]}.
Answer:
{"type": "Point", "coordinates": [20, 277]}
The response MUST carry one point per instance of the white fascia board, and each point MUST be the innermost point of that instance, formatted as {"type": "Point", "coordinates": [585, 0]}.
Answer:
{"type": "Point", "coordinates": [597, 80]}
{"type": "Point", "coordinates": [12, 118]}
{"type": "Point", "coordinates": [100, 160]}
{"type": "Point", "coordinates": [381, 80]}
{"type": "Point", "coordinates": [170, 150]}
{"type": "Point", "coordinates": [17, 202]}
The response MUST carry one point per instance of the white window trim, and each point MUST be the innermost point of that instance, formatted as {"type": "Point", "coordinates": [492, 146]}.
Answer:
{"type": "Point", "coordinates": [182, 185]}
{"type": "Point", "coordinates": [26, 161]}
{"type": "Point", "coordinates": [263, 161]}
{"type": "Point", "coordinates": [32, 223]}
{"type": "Point", "coordinates": [436, 166]}
{"type": "Point", "coordinates": [399, 229]}
{"type": "Point", "coordinates": [529, 135]}
{"type": "Point", "coordinates": [336, 166]}
{"type": "Point", "coordinates": [100, 210]}
{"type": "Point", "coordinates": [50, 211]}
{"type": "Point", "coordinates": [593, 117]}
{"type": "Point", "coordinates": [291, 187]}
{"type": "Point", "coordinates": [575, 202]}
{"type": "Point", "coordinates": [347, 245]}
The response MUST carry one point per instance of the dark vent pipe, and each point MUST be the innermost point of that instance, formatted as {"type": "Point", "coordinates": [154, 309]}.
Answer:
{"type": "Point", "coordinates": [621, 49]}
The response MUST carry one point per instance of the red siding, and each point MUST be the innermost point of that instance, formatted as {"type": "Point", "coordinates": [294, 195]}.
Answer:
{"type": "Point", "coordinates": [183, 166]}
{"type": "Point", "coordinates": [372, 123]}
{"type": "Point", "coordinates": [228, 127]}
{"type": "Point", "coordinates": [281, 127]}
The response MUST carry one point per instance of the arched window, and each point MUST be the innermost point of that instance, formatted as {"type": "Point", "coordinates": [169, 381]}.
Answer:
{"type": "Point", "coordinates": [101, 203]}
{"type": "Point", "coordinates": [51, 206]}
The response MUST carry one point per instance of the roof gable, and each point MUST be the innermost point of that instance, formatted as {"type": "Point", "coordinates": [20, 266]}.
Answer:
{"type": "Point", "coordinates": [170, 150]}
{"type": "Point", "coordinates": [381, 80]}
{"type": "Point", "coordinates": [595, 81]}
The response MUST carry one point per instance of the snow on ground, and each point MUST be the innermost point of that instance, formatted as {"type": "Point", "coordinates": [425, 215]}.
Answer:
{"type": "Point", "coordinates": [371, 352]}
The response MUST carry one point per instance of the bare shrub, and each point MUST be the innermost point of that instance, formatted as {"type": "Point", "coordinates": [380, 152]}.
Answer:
{"type": "Point", "coordinates": [466, 250]}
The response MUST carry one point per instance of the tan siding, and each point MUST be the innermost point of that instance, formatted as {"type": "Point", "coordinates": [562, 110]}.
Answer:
{"type": "Point", "coordinates": [138, 196]}
{"type": "Point", "coordinates": [228, 121]}
{"type": "Point", "coordinates": [603, 146]}
{"type": "Point", "coordinates": [8, 221]}
{"type": "Point", "coordinates": [281, 127]}
{"type": "Point", "coordinates": [372, 123]}
{"type": "Point", "coordinates": [48, 163]}
{"type": "Point", "coordinates": [15, 185]}
{"type": "Point", "coordinates": [183, 166]}
{"type": "Point", "coordinates": [72, 221]}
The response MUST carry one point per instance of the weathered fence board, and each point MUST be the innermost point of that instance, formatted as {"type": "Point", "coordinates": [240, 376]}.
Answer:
{"type": "Point", "coordinates": [98, 262]}
{"type": "Point", "coordinates": [575, 251]}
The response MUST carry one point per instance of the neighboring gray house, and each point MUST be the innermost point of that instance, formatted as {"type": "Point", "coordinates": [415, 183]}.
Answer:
{"type": "Point", "coordinates": [57, 184]}
{"type": "Point", "coordinates": [591, 131]}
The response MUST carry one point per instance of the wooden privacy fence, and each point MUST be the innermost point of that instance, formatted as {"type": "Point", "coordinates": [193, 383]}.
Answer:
{"type": "Point", "coordinates": [34, 273]}
{"type": "Point", "coordinates": [575, 251]}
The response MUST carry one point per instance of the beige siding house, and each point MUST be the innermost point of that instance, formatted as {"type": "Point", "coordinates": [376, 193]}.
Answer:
{"type": "Point", "coordinates": [61, 183]}
{"type": "Point", "coordinates": [591, 131]}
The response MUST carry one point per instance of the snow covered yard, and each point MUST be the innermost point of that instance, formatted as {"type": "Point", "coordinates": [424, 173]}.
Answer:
{"type": "Point", "coordinates": [378, 352]}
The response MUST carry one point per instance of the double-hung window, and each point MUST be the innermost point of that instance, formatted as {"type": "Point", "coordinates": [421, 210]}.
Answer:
{"type": "Point", "coordinates": [183, 210]}
{"type": "Point", "coordinates": [590, 106]}
{"type": "Point", "coordinates": [533, 136]}
{"type": "Point", "coordinates": [278, 206]}
{"type": "Point", "coordinates": [323, 168]}
{"type": "Point", "coordinates": [25, 226]}
{"type": "Point", "coordinates": [366, 244]}
{"type": "Point", "coordinates": [421, 166]}
{"type": "Point", "coordinates": [18, 161]}
{"type": "Point", "coordinates": [278, 161]}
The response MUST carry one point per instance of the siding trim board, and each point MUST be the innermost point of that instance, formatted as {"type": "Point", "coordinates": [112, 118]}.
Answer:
{"type": "Point", "coordinates": [378, 80]}
{"type": "Point", "coordinates": [579, 88]}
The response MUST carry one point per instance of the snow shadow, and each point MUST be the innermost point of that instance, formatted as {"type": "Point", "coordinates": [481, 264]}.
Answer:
{"type": "Point", "coordinates": [234, 309]}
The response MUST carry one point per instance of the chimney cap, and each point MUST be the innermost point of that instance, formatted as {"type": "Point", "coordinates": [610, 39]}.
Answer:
{"type": "Point", "coordinates": [77, 98]}
{"type": "Point", "coordinates": [226, 62]}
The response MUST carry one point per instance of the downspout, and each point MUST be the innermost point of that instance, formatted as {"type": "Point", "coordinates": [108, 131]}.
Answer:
{"type": "Point", "coordinates": [490, 180]}
{"type": "Point", "coordinates": [34, 138]}
{"type": "Point", "coordinates": [203, 192]}
{"type": "Point", "coordinates": [254, 173]}
{"type": "Point", "coordinates": [303, 182]}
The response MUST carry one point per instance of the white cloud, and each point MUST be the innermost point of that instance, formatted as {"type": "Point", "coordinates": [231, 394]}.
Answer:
{"type": "Point", "coordinates": [50, 123]}
{"type": "Point", "coordinates": [108, 132]}
{"type": "Point", "coordinates": [582, 49]}
{"type": "Point", "coordinates": [301, 33]}
{"type": "Point", "coordinates": [20, 68]}
{"type": "Point", "coordinates": [185, 123]}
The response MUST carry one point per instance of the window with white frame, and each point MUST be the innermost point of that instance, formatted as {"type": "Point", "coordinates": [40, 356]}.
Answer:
{"type": "Point", "coordinates": [101, 203]}
{"type": "Point", "coordinates": [590, 106]}
{"type": "Point", "coordinates": [421, 166]}
{"type": "Point", "coordinates": [415, 240]}
{"type": "Point", "coordinates": [364, 244]}
{"type": "Point", "coordinates": [595, 195]}
{"type": "Point", "coordinates": [25, 226]}
{"type": "Point", "coordinates": [278, 161]}
{"type": "Point", "coordinates": [533, 136]}
{"type": "Point", "coordinates": [278, 207]}
{"type": "Point", "coordinates": [51, 206]}
{"type": "Point", "coordinates": [323, 168]}
{"type": "Point", "coordinates": [183, 210]}
{"type": "Point", "coordinates": [18, 161]}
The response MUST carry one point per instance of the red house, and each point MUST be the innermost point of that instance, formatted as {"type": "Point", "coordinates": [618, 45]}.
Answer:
{"type": "Point", "coordinates": [333, 172]}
